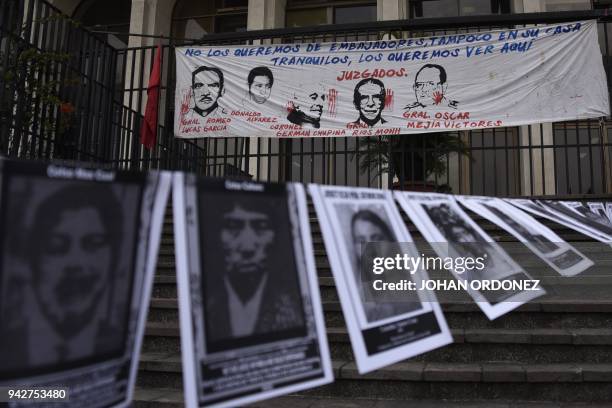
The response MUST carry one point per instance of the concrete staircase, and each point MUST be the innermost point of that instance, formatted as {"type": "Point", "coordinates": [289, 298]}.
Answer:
{"type": "Point", "coordinates": [554, 351]}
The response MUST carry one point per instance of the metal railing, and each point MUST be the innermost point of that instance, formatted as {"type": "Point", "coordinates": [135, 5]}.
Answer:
{"type": "Point", "coordinates": [102, 94]}
{"type": "Point", "coordinates": [61, 96]}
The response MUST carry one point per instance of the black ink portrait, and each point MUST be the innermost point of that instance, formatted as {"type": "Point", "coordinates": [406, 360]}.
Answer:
{"type": "Point", "coordinates": [76, 310]}
{"type": "Point", "coordinates": [260, 81]}
{"type": "Point", "coordinates": [465, 242]}
{"type": "Point", "coordinates": [430, 88]}
{"type": "Point", "coordinates": [367, 226]}
{"type": "Point", "coordinates": [589, 220]}
{"type": "Point", "coordinates": [595, 216]}
{"type": "Point", "coordinates": [369, 100]}
{"type": "Point", "coordinates": [207, 87]}
{"type": "Point", "coordinates": [307, 104]}
{"type": "Point", "coordinates": [462, 239]}
{"type": "Point", "coordinates": [250, 285]}
{"type": "Point", "coordinates": [538, 240]}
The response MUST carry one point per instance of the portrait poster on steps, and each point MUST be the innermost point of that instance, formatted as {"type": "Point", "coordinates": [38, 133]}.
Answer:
{"type": "Point", "coordinates": [383, 327]}
{"type": "Point", "coordinates": [453, 234]}
{"type": "Point", "coordinates": [564, 214]}
{"type": "Point", "coordinates": [600, 209]}
{"type": "Point", "coordinates": [551, 248]}
{"type": "Point", "coordinates": [250, 312]}
{"type": "Point", "coordinates": [78, 249]}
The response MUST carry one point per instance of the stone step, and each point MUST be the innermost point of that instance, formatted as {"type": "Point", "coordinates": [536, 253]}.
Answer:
{"type": "Point", "coordinates": [567, 314]}
{"type": "Point", "coordinates": [578, 337]}
{"type": "Point", "coordinates": [546, 303]}
{"type": "Point", "coordinates": [443, 381]}
{"type": "Point", "coordinates": [424, 380]}
{"type": "Point", "coordinates": [526, 346]}
{"type": "Point", "coordinates": [552, 280]}
{"type": "Point", "coordinates": [554, 292]}
{"type": "Point", "coordinates": [158, 397]}
{"type": "Point", "coordinates": [512, 321]}
{"type": "Point", "coordinates": [568, 235]}
{"type": "Point", "coordinates": [532, 265]}
{"type": "Point", "coordinates": [495, 232]}
{"type": "Point", "coordinates": [542, 314]}
{"type": "Point", "coordinates": [172, 398]}
{"type": "Point", "coordinates": [470, 345]}
{"type": "Point", "coordinates": [484, 223]}
{"type": "Point", "coordinates": [165, 284]}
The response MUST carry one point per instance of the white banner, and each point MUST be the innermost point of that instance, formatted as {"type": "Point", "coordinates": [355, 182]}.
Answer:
{"type": "Point", "coordinates": [387, 87]}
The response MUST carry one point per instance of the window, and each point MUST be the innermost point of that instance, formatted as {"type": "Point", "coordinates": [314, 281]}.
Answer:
{"type": "Point", "coordinates": [316, 12]}
{"type": "Point", "coordinates": [602, 4]}
{"type": "Point", "coordinates": [454, 8]}
{"type": "Point", "coordinates": [306, 17]}
{"type": "Point", "coordinates": [194, 19]}
{"type": "Point", "coordinates": [356, 14]}
{"type": "Point", "coordinates": [108, 15]}
{"type": "Point", "coordinates": [567, 5]}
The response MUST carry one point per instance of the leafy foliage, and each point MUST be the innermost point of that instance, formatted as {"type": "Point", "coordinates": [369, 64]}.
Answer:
{"type": "Point", "coordinates": [380, 155]}
{"type": "Point", "coordinates": [33, 78]}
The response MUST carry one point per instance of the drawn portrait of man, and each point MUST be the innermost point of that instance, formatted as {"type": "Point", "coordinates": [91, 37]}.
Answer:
{"type": "Point", "coordinates": [306, 107]}
{"type": "Point", "coordinates": [207, 87]}
{"type": "Point", "coordinates": [251, 289]}
{"type": "Point", "coordinates": [369, 100]}
{"type": "Point", "coordinates": [75, 308]}
{"type": "Point", "coordinates": [260, 81]}
{"type": "Point", "coordinates": [430, 84]}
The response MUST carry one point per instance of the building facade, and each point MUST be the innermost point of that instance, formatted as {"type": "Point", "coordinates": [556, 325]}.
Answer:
{"type": "Point", "coordinates": [544, 159]}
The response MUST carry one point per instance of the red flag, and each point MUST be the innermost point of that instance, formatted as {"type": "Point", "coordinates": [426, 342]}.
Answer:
{"type": "Point", "coordinates": [148, 132]}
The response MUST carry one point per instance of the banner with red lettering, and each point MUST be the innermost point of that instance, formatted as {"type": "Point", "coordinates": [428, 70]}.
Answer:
{"type": "Point", "coordinates": [453, 82]}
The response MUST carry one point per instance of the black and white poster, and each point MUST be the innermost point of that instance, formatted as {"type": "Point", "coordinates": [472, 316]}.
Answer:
{"type": "Point", "coordinates": [250, 311]}
{"type": "Point", "coordinates": [550, 247]}
{"type": "Point", "coordinates": [453, 234]}
{"type": "Point", "coordinates": [384, 328]}
{"type": "Point", "coordinates": [603, 210]}
{"type": "Point", "coordinates": [78, 253]}
{"type": "Point", "coordinates": [567, 215]}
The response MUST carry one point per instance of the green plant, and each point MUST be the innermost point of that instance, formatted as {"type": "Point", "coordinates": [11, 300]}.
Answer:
{"type": "Point", "coordinates": [34, 77]}
{"type": "Point", "coordinates": [409, 157]}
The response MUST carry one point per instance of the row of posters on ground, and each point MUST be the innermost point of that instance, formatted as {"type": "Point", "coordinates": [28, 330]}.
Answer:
{"type": "Point", "coordinates": [79, 249]}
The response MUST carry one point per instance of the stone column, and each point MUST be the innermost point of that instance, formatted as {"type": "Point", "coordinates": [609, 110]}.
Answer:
{"type": "Point", "coordinates": [539, 161]}
{"type": "Point", "coordinates": [263, 14]}
{"type": "Point", "coordinates": [391, 10]}
{"type": "Point", "coordinates": [266, 14]}
{"type": "Point", "coordinates": [149, 17]}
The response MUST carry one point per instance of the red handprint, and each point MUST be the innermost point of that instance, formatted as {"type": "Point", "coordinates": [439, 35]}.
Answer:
{"type": "Point", "coordinates": [389, 99]}
{"type": "Point", "coordinates": [333, 96]}
{"type": "Point", "coordinates": [185, 102]}
{"type": "Point", "coordinates": [437, 97]}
